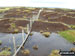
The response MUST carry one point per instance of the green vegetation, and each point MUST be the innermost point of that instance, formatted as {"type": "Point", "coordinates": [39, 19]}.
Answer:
{"type": "Point", "coordinates": [47, 28]}
{"type": "Point", "coordinates": [62, 9]}
{"type": "Point", "coordinates": [13, 28]}
{"type": "Point", "coordinates": [12, 19]}
{"type": "Point", "coordinates": [16, 30]}
{"type": "Point", "coordinates": [54, 53]}
{"type": "Point", "coordinates": [0, 42]}
{"type": "Point", "coordinates": [49, 18]}
{"type": "Point", "coordinates": [3, 9]}
{"type": "Point", "coordinates": [71, 12]}
{"type": "Point", "coordinates": [5, 53]}
{"type": "Point", "coordinates": [22, 47]}
{"type": "Point", "coordinates": [72, 26]}
{"type": "Point", "coordinates": [31, 8]}
{"type": "Point", "coordinates": [41, 31]}
{"type": "Point", "coordinates": [31, 34]}
{"type": "Point", "coordinates": [27, 11]}
{"type": "Point", "coordinates": [18, 9]}
{"type": "Point", "coordinates": [46, 34]}
{"type": "Point", "coordinates": [73, 49]}
{"type": "Point", "coordinates": [26, 52]}
{"type": "Point", "coordinates": [9, 49]}
{"type": "Point", "coordinates": [35, 47]}
{"type": "Point", "coordinates": [40, 20]}
{"type": "Point", "coordinates": [24, 17]}
{"type": "Point", "coordinates": [69, 35]}
{"type": "Point", "coordinates": [13, 25]}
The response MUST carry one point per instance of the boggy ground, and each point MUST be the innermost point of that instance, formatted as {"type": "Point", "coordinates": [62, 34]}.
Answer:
{"type": "Point", "coordinates": [59, 15]}
{"type": "Point", "coordinates": [5, 25]}
{"type": "Point", "coordinates": [51, 14]}
{"type": "Point", "coordinates": [46, 26]}
{"type": "Point", "coordinates": [48, 14]}
{"type": "Point", "coordinates": [64, 19]}
{"type": "Point", "coordinates": [21, 12]}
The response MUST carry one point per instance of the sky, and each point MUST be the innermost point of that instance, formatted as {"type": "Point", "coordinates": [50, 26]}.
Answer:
{"type": "Point", "coordinates": [39, 3]}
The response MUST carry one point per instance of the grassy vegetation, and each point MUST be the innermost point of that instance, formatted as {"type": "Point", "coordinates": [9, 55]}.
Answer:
{"type": "Point", "coordinates": [27, 10]}
{"type": "Point", "coordinates": [73, 49]}
{"type": "Point", "coordinates": [13, 28]}
{"type": "Point", "coordinates": [13, 25]}
{"type": "Point", "coordinates": [9, 49]}
{"type": "Point", "coordinates": [31, 34]}
{"type": "Point", "coordinates": [64, 9]}
{"type": "Point", "coordinates": [72, 26]}
{"type": "Point", "coordinates": [46, 34]}
{"type": "Point", "coordinates": [35, 47]}
{"type": "Point", "coordinates": [0, 42]}
{"type": "Point", "coordinates": [12, 19]}
{"type": "Point", "coordinates": [26, 52]}
{"type": "Point", "coordinates": [71, 12]}
{"type": "Point", "coordinates": [5, 53]}
{"type": "Point", "coordinates": [16, 30]}
{"type": "Point", "coordinates": [4, 9]}
{"type": "Point", "coordinates": [41, 31]}
{"type": "Point", "coordinates": [54, 53]}
{"type": "Point", "coordinates": [69, 35]}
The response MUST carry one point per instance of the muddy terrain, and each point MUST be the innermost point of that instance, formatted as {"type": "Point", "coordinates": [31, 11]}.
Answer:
{"type": "Point", "coordinates": [21, 12]}
{"type": "Point", "coordinates": [47, 26]}
{"type": "Point", "coordinates": [51, 27]}
{"type": "Point", "coordinates": [23, 15]}
{"type": "Point", "coordinates": [5, 25]}
{"type": "Point", "coordinates": [51, 14]}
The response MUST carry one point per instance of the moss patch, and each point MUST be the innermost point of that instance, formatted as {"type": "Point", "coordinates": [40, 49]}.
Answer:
{"type": "Point", "coordinates": [69, 35]}
{"type": "Point", "coordinates": [35, 47]}
{"type": "Point", "coordinates": [46, 34]}
{"type": "Point", "coordinates": [72, 49]}
{"type": "Point", "coordinates": [26, 52]}
{"type": "Point", "coordinates": [0, 42]}
{"type": "Point", "coordinates": [54, 53]}
{"type": "Point", "coordinates": [72, 26]}
{"type": "Point", "coordinates": [5, 53]}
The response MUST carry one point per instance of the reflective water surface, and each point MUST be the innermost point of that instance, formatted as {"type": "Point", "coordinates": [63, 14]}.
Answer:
{"type": "Point", "coordinates": [45, 45]}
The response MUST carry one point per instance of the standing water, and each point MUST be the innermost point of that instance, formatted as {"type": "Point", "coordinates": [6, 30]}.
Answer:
{"type": "Point", "coordinates": [7, 40]}
{"type": "Point", "coordinates": [46, 45]}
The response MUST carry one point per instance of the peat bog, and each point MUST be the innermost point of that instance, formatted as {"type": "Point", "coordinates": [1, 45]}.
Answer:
{"type": "Point", "coordinates": [53, 31]}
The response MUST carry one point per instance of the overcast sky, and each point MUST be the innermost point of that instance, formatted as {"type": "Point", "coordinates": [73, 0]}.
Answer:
{"type": "Point", "coordinates": [39, 3]}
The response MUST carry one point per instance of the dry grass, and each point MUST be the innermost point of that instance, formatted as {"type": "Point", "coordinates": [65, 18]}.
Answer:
{"type": "Point", "coordinates": [46, 34]}
{"type": "Point", "coordinates": [72, 49]}
{"type": "Point", "coordinates": [54, 53]}
{"type": "Point", "coordinates": [26, 52]}
{"type": "Point", "coordinates": [5, 53]}
{"type": "Point", "coordinates": [35, 47]}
